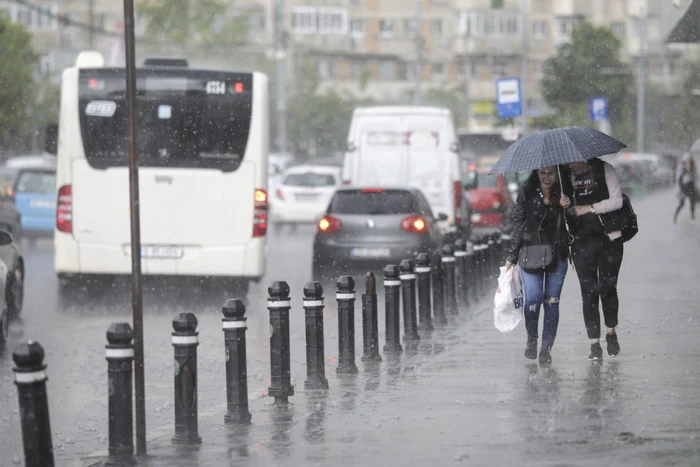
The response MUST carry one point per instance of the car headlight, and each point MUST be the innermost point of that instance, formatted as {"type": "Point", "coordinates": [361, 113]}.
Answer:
{"type": "Point", "coordinates": [476, 217]}
{"type": "Point", "coordinates": [496, 204]}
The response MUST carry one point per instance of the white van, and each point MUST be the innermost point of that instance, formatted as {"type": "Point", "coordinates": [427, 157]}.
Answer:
{"type": "Point", "coordinates": [412, 147]}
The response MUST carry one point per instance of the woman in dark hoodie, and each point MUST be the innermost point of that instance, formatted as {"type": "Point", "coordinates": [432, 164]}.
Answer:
{"type": "Point", "coordinates": [538, 219]}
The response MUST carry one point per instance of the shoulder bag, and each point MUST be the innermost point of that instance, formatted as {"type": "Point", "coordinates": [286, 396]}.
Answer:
{"type": "Point", "coordinates": [534, 258]}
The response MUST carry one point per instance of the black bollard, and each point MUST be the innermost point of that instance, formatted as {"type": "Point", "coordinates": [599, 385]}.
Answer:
{"type": "Point", "coordinates": [461, 273]}
{"type": "Point", "coordinates": [392, 309]}
{"type": "Point", "coordinates": [278, 306]}
{"type": "Point", "coordinates": [479, 257]}
{"type": "Point", "coordinates": [408, 292]}
{"type": "Point", "coordinates": [370, 322]}
{"type": "Point", "coordinates": [345, 295]}
{"type": "Point", "coordinates": [234, 326]}
{"type": "Point", "coordinates": [471, 277]}
{"type": "Point", "coordinates": [491, 252]}
{"type": "Point", "coordinates": [438, 282]}
{"type": "Point", "coordinates": [120, 356]}
{"type": "Point", "coordinates": [422, 271]}
{"type": "Point", "coordinates": [448, 266]}
{"type": "Point", "coordinates": [315, 350]}
{"type": "Point", "coordinates": [185, 341]}
{"type": "Point", "coordinates": [30, 378]}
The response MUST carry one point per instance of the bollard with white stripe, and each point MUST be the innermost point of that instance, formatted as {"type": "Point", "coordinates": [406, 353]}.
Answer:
{"type": "Point", "coordinates": [30, 378]}
{"type": "Point", "coordinates": [392, 309]}
{"type": "Point", "coordinates": [473, 292]}
{"type": "Point", "coordinates": [234, 326]}
{"type": "Point", "coordinates": [479, 248]}
{"type": "Point", "coordinates": [120, 356]}
{"type": "Point", "coordinates": [492, 254]}
{"type": "Point", "coordinates": [278, 305]}
{"type": "Point", "coordinates": [448, 267]}
{"type": "Point", "coordinates": [370, 323]}
{"type": "Point", "coordinates": [422, 270]}
{"type": "Point", "coordinates": [185, 341]}
{"type": "Point", "coordinates": [315, 350]}
{"type": "Point", "coordinates": [462, 275]}
{"type": "Point", "coordinates": [438, 283]}
{"type": "Point", "coordinates": [408, 292]}
{"type": "Point", "coordinates": [345, 295]}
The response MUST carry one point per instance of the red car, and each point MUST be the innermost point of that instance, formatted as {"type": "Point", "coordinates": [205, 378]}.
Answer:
{"type": "Point", "coordinates": [488, 197]}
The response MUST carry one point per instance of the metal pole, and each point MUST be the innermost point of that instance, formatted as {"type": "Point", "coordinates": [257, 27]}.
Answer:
{"type": "Point", "coordinates": [92, 24]}
{"type": "Point", "coordinates": [641, 69]}
{"type": "Point", "coordinates": [281, 61]}
{"type": "Point", "coordinates": [136, 292]}
{"type": "Point", "coordinates": [418, 65]}
{"type": "Point", "coordinates": [524, 68]}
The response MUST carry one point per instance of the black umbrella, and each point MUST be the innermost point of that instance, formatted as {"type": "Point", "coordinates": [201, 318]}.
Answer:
{"type": "Point", "coordinates": [554, 147]}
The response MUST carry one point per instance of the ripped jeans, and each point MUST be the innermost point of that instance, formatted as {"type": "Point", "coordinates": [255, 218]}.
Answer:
{"type": "Point", "coordinates": [543, 287]}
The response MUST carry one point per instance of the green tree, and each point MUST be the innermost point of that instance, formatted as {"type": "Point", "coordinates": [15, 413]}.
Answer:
{"type": "Point", "coordinates": [586, 67]}
{"type": "Point", "coordinates": [192, 23]}
{"type": "Point", "coordinates": [17, 86]}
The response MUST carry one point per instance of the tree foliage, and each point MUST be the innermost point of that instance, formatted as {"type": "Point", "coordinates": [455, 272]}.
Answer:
{"type": "Point", "coordinates": [17, 86]}
{"type": "Point", "coordinates": [588, 66]}
{"type": "Point", "coordinates": [192, 23]}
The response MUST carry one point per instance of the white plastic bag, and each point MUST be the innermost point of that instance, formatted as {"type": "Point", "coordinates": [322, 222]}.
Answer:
{"type": "Point", "coordinates": [508, 301]}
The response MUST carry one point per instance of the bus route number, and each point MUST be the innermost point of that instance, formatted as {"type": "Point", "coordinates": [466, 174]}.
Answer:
{"type": "Point", "coordinates": [216, 87]}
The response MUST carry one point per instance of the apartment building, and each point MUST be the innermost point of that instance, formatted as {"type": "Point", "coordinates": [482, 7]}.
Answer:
{"type": "Point", "coordinates": [369, 49]}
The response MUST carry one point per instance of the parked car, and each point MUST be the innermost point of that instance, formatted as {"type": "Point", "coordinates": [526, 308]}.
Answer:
{"type": "Point", "coordinates": [303, 194]}
{"type": "Point", "coordinates": [656, 170]}
{"type": "Point", "coordinates": [489, 198]}
{"type": "Point", "coordinates": [11, 281]}
{"type": "Point", "coordinates": [8, 176]}
{"type": "Point", "coordinates": [35, 199]}
{"type": "Point", "coordinates": [631, 175]}
{"type": "Point", "coordinates": [370, 227]}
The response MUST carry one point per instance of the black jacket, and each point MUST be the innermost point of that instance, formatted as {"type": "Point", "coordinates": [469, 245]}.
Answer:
{"type": "Point", "coordinates": [528, 214]}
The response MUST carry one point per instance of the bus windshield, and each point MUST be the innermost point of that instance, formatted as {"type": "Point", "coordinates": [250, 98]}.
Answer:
{"type": "Point", "coordinates": [479, 145]}
{"type": "Point", "coordinates": [186, 118]}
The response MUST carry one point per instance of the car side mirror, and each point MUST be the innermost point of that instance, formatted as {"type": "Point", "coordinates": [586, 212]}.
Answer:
{"type": "Point", "coordinates": [442, 216]}
{"type": "Point", "coordinates": [51, 139]}
{"type": "Point", "coordinates": [5, 238]}
{"type": "Point", "coordinates": [512, 187]}
{"type": "Point", "coordinates": [351, 147]}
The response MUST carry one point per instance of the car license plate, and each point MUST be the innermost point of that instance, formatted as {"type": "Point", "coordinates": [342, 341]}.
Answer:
{"type": "Point", "coordinates": [306, 197]}
{"type": "Point", "coordinates": [41, 204]}
{"type": "Point", "coordinates": [166, 252]}
{"type": "Point", "coordinates": [370, 252]}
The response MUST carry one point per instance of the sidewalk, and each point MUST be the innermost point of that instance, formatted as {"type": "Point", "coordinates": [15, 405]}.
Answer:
{"type": "Point", "coordinates": [468, 395]}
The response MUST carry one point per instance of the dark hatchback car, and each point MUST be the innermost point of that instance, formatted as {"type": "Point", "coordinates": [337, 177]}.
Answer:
{"type": "Point", "coordinates": [371, 227]}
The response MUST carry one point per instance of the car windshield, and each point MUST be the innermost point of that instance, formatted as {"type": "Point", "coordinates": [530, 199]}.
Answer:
{"type": "Point", "coordinates": [309, 179]}
{"type": "Point", "coordinates": [37, 183]}
{"type": "Point", "coordinates": [487, 181]}
{"type": "Point", "coordinates": [373, 202]}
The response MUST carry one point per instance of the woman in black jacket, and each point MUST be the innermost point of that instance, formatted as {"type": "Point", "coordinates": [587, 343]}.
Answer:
{"type": "Point", "coordinates": [538, 219]}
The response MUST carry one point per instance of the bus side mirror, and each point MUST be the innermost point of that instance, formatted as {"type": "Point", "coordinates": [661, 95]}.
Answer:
{"type": "Point", "coordinates": [51, 138]}
{"type": "Point", "coordinates": [351, 147]}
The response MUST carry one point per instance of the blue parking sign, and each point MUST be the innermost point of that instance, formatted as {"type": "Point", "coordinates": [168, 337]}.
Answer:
{"type": "Point", "coordinates": [508, 97]}
{"type": "Point", "coordinates": [598, 109]}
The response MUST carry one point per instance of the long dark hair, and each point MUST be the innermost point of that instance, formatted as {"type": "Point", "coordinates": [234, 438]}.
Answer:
{"type": "Point", "coordinates": [532, 183]}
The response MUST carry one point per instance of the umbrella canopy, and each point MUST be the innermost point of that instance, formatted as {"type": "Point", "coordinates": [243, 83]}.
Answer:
{"type": "Point", "coordinates": [557, 146]}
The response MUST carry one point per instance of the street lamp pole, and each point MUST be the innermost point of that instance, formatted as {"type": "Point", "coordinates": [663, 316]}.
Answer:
{"type": "Point", "coordinates": [418, 39]}
{"type": "Point", "coordinates": [524, 67]}
{"type": "Point", "coordinates": [641, 70]}
{"type": "Point", "coordinates": [281, 62]}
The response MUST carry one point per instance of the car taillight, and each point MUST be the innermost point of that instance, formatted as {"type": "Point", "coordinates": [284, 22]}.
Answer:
{"type": "Point", "coordinates": [280, 195]}
{"type": "Point", "coordinates": [413, 224]}
{"type": "Point", "coordinates": [457, 190]}
{"type": "Point", "coordinates": [329, 224]}
{"type": "Point", "coordinates": [260, 214]}
{"type": "Point", "coordinates": [346, 182]}
{"type": "Point", "coordinates": [64, 209]}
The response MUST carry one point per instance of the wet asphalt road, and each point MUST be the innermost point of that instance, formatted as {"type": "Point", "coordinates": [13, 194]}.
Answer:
{"type": "Point", "coordinates": [465, 395]}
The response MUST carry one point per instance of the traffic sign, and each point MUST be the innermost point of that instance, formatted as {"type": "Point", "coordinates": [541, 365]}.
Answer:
{"type": "Point", "coordinates": [598, 109]}
{"type": "Point", "coordinates": [508, 97]}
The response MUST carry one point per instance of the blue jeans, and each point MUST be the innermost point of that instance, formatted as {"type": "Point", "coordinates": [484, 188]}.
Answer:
{"type": "Point", "coordinates": [543, 287]}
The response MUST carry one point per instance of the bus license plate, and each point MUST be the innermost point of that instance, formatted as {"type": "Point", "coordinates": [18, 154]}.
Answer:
{"type": "Point", "coordinates": [168, 252]}
{"type": "Point", "coordinates": [370, 252]}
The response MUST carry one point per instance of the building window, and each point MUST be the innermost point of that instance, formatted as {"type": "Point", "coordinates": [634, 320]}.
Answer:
{"type": "Point", "coordinates": [618, 29]}
{"type": "Point", "coordinates": [409, 26]}
{"type": "Point", "coordinates": [489, 25]}
{"type": "Point", "coordinates": [357, 68]}
{"type": "Point", "coordinates": [304, 20]}
{"type": "Point", "coordinates": [24, 16]}
{"type": "Point", "coordinates": [512, 25]}
{"type": "Point", "coordinates": [256, 22]}
{"type": "Point", "coordinates": [437, 27]}
{"type": "Point", "coordinates": [470, 24]}
{"type": "Point", "coordinates": [567, 25]}
{"type": "Point", "coordinates": [332, 20]}
{"type": "Point", "coordinates": [325, 69]}
{"type": "Point", "coordinates": [438, 71]}
{"type": "Point", "coordinates": [387, 70]}
{"type": "Point", "coordinates": [540, 29]}
{"type": "Point", "coordinates": [499, 68]}
{"type": "Point", "coordinates": [357, 27]}
{"type": "Point", "coordinates": [386, 28]}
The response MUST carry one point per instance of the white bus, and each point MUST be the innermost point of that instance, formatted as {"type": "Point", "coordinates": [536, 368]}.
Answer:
{"type": "Point", "coordinates": [203, 146]}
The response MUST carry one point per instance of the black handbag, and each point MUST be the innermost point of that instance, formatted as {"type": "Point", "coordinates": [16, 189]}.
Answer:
{"type": "Point", "coordinates": [539, 257]}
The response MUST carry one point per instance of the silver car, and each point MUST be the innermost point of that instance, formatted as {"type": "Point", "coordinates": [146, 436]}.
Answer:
{"type": "Point", "coordinates": [368, 227]}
